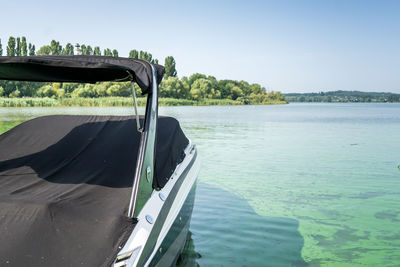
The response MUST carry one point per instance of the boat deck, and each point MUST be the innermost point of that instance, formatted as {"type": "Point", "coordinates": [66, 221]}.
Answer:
{"type": "Point", "coordinates": [65, 186]}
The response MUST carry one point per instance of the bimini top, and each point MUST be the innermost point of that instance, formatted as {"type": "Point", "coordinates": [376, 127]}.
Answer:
{"type": "Point", "coordinates": [82, 69]}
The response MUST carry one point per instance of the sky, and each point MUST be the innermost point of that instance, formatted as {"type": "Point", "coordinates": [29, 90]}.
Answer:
{"type": "Point", "coordinates": [290, 46]}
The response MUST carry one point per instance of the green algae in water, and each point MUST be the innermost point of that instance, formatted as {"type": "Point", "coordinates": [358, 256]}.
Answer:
{"type": "Point", "coordinates": [299, 162]}
{"type": "Point", "coordinates": [7, 125]}
{"type": "Point", "coordinates": [294, 170]}
{"type": "Point", "coordinates": [227, 232]}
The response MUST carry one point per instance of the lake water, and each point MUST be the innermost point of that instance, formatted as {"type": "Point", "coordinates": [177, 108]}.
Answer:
{"type": "Point", "coordinates": [287, 185]}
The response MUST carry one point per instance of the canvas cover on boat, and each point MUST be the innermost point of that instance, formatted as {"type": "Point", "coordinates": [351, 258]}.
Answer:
{"type": "Point", "coordinates": [83, 69]}
{"type": "Point", "coordinates": [65, 186]}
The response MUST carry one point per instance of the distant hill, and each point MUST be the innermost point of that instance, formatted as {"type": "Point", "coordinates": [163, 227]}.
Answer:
{"type": "Point", "coordinates": [343, 96]}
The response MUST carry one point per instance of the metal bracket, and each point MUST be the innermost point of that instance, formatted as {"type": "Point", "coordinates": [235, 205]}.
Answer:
{"type": "Point", "coordinates": [148, 174]}
{"type": "Point", "coordinates": [135, 105]}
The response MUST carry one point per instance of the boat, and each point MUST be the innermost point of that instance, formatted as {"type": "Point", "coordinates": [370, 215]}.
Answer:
{"type": "Point", "coordinates": [94, 190]}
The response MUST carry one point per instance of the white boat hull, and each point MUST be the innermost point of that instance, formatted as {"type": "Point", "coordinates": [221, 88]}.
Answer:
{"type": "Point", "coordinates": [163, 223]}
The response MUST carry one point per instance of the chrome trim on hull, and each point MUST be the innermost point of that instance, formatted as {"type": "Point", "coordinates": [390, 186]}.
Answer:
{"type": "Point", "coordinates": [148, 237]}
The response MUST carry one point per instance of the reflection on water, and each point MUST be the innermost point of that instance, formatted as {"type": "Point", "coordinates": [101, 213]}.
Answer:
{"type": "Point", "coordinates": [189, 255]}
{"type": "Point", "coordinates": [228, 231]}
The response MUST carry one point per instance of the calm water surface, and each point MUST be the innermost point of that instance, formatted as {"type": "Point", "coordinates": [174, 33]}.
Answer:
{"type": "Point", "coordinates": [289, 185]}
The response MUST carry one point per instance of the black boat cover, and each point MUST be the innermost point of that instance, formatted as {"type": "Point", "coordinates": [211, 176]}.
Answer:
{"type": "Point", "coordinates": [83, 69]}
{"type": "Point", "coordinates": [65, 185]}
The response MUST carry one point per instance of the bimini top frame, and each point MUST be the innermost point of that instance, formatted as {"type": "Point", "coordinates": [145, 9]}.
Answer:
{"type": "Point", "coordinates": [91, 69]}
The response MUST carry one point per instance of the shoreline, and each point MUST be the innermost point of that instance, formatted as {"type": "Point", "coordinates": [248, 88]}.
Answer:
{"type": "Point", "coordinates": [6, 102]}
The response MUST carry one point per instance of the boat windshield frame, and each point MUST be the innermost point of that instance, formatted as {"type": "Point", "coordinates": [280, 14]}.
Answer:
{"type": "Point", "coordinates": [142, 187]}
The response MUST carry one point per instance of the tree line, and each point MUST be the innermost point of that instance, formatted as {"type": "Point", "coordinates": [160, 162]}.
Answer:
{"type": "Point", "coordinates": [195, 87]}
{"type": "Point", "coordinates": [343, 96]}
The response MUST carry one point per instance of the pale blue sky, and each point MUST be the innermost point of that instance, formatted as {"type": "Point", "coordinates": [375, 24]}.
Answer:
{"type": "Point", "coordinates": [292, 46]}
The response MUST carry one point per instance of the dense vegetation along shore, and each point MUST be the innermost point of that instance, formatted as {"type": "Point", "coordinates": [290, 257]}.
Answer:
{"type": "Point", "coordinates": [343, 96]}
{"type": "Point", "coordinates": [114, 102]}
{"type": "Point", "coordinates": [197, 89]}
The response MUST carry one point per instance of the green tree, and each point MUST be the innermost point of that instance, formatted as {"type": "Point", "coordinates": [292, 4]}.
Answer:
{"type": "Point", "coordinates": [44, 51]}
{"type": "Point", "coordinates": [11, 47]}
{"type": "Point", "coordinates": [55, 47]}
{"type": "Point", "coordinates": [24, 47]}
{"type": "Point", "coordinates": [1, 91]}
{"type": "Point", "coordinates": [276, 95]}
{"type": "Point", "coordinates": [113, 90]}
{"type": "Point", "coordinates": [134, 54]}
{"type": "Point", "coordinates": [18, 49]}
{"type": "Point", "coordinates": [86, 90]}
{"type": "Point", "coordinates": [1, 49]}
{"type": "Point", "coordinates": [15, 93]}
{"type": "Point", "coordinates": [26, 88]}
{"type": "Point", "coordinates": [214, 83]}
{"type": "Point", "coordinates": [225, 87]}
{"type": "Point", "coordinates": [47, 91]}
{"type": "Point", "coordinates": [118, 89]}
{"type": "Point", "coordinates": [31, 49]}
{"type": "Point", "coordinates": [69, 87]}
{"type": "Point", "coordinates": [115, 53]}
{"type": "Point", "coordinates": [170, 70]}
{"type": "Point", "coordinates": [89, 50]}
{"type": "Point", "coordinates": [236, 92]}
{"type": "Point", "coordinates": [186, 87]}
{"type": "Point", "coordinates": [245, 87]}
{"type": "Point", "coordinates": [68, 49]}
{"type": "Point", "coordinates": [257, 89]}
{"type": "Point", "coordinates": [173, 87]}
{"type": "Point", "coordinates": [107, 52]}
{"type": "Point", "coordinates": [97, 51]}
{"type": "Point", "coordinates": [145, 56]}
{"type": "Point", "coordinates": [202, 88]}
{"type": "Point", "coordinates": [196, 76]}
{"type": "Point", "coordinates": [101, 89]}
{"type": "Point", "coordinates": [83, 49]}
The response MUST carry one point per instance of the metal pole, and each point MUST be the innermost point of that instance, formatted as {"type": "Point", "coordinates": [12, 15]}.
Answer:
{"type": "Point", "coordinates": [146, 155]}
{"type": "Point", "coordinates": [135, 104]}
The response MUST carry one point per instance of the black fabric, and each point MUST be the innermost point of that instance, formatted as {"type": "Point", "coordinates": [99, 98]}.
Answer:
{"type": "Point", "coordinates": [65, 185]}
{"type": "Point", "coordinates": [169, 150]}
{"type": "Point", "coordinates": [84, 69]}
